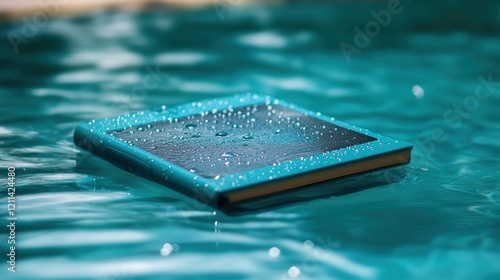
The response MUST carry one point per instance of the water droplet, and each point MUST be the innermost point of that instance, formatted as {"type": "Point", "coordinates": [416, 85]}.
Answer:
{"type": "Point", "coordinates": [228, 155]}
{"type": "Point", "coordinates": [278, 131]}
{"type": "Point", "coordinates": [308, 244]}
{"type": "Point", "coordinates": [274, 252]}
{"type": "Point", "coordinates": [197, 135]}
{"type": "Point", "coordinates": [248, 136]}
{"type": "Point", "coordinates": [222, 133]}
{"type": "Point", "coordinates": [192, 170]}
{"type": "Point", "coordinates": [140, 128]}
{"type": "Point", "coordinates": [191, 126]}
{"type": "Point", "coordinates": [167, 249]}
{"type": "Point", "coordinates": [294, 272]}
{"type": "Point", "coordinates": [418, 91]}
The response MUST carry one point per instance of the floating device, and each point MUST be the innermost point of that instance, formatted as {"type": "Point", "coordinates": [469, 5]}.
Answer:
{"type": "Point", "coordinates": [229, 151]}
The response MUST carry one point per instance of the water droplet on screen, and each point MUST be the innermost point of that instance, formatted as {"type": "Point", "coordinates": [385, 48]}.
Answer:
{"type": "Point", "coordinates": [191, 126]}
{"type": "Point", "coordinates": [140, 128]}
{"type": "Point", "coordinates": [228, 155]}
{"type": "Point", "coordinates": [222, 133]}
{"type": "Point", "coordinates": [192, 170]}
{"type": "Point", "coordinates": [248, 136]}
{"type": "Point", "coordinates": [197, 135]}
{"type": "Point", "coordinates": [278, 131]}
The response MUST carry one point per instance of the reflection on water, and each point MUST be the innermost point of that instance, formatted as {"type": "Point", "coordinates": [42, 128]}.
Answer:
{"type": "Point", "coordinates": [89, 220]}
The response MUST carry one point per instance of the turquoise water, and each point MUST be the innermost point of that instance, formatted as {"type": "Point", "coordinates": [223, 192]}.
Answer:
{"type": "Point", "coordinates": [431, 77]}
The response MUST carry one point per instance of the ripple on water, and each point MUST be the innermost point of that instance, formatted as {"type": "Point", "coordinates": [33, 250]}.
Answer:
{"type": "Point", "coordinates": [80, 214]}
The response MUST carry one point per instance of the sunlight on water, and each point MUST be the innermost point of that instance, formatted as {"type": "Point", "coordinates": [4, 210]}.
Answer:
{"type": "Point", "coordinates": [81, 218]}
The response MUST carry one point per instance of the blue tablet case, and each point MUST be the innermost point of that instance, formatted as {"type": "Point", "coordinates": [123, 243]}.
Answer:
{"type": "Point", "coordinates": [233, 150]}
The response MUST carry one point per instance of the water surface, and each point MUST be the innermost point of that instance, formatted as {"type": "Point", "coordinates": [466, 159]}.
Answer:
{"type": "Point", "coordinates": [434, 83]}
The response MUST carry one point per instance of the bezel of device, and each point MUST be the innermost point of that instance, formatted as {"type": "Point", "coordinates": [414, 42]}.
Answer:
{"type": "Point", "coordinates": [97, 132]}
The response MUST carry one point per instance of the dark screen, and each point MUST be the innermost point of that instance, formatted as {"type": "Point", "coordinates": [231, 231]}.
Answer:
{"type": "Point", "coordinates": [230, 141]}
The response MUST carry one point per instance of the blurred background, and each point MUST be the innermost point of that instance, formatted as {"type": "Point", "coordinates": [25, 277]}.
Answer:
{"type": "Point", "coordinates": [427, 72]}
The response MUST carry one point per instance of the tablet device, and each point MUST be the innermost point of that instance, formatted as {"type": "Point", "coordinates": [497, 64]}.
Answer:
{"type": "Point", "coordinates": [228, 151]}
